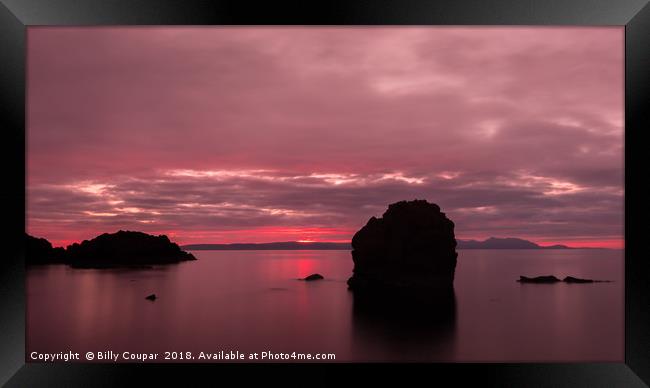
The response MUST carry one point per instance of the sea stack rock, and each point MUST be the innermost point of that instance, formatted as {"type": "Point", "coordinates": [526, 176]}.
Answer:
{"type": "Point", "coordinates": [411, 249]}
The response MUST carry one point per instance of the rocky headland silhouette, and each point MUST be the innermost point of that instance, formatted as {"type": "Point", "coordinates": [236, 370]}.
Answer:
{"type": "Point", "coordinates": [40, 251]}
{"type": "Point", "coordinates": [410, 250]}
{"type": "Point", "coordinates": [123, 248]}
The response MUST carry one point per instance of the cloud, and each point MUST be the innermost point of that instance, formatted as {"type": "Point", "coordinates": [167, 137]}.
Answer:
{"type": "Point", "coordinates": [237, 132]}
{"type": "Point", "coordinates": [201, 202]}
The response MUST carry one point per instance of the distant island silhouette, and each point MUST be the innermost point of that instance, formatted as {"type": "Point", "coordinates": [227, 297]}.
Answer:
{"type": "Point", "coordinates": [123, 248]}
{"type": "Point", "coordinates": [505, 243]}
{"type": "Point", "coordinates": [490, 243]}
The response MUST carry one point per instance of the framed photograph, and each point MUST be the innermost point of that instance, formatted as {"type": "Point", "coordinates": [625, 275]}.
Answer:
{"type": "Point", "coordinates": [204, 188]}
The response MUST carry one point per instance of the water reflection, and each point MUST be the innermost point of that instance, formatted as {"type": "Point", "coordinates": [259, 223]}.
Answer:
{"type": "Point", "coordinates": [251, 301]}
{"type": "Point", "coordinates": [404, 327]}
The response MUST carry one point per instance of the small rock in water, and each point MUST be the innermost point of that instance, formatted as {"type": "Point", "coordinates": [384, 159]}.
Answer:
{"type": "Point", "coordinates": [571, 279]}
{"type": "Point", "coordinates": [539, 279]}
{"type": "Point", "coordinates": [553, 279]}
{"type": "Point", "coordinates": [315, 276]}
{"type": "Point", "coordinates": [151, 297]}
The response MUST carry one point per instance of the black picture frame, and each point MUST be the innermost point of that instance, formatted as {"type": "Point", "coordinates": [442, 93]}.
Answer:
{"type": "Point", "coordinates": [17, 15]}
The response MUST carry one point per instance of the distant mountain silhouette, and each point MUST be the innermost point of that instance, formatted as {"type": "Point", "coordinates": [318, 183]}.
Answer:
{"type": "Point", "coordinates": [490, 243]}
{"type": "Point", "coordinates": [504, 243]}
{"type": "Point", "coordinates": [123, 248]}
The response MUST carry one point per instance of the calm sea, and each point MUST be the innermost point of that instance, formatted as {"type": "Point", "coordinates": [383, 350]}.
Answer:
{"type": "Point", "coordinates": [251, 302]}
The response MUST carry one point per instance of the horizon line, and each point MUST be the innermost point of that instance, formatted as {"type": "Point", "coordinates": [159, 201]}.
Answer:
{"type": "Point", "coordinates": [581, 244]}
{"type": "Point", "coordinates": [350, 242]}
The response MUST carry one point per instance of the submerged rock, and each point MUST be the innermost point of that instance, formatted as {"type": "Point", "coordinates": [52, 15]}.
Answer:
{"type": "Point", "coordinates": [315, 276]}
{"type": "Point", "coordinates": [410, 249]}
{"type": "Point", "coordinates": [125, 248]}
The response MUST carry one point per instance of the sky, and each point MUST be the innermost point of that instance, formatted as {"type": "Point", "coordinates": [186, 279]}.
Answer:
{"type": "Point", "coordinates": [259, 134]}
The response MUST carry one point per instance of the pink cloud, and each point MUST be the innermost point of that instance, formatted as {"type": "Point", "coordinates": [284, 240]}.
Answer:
{"type": "Point", "coordinates": [322, 128]}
